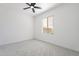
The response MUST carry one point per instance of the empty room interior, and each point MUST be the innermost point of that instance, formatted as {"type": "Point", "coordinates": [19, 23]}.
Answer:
{"type": "Point", "coordinates": [39, 29]}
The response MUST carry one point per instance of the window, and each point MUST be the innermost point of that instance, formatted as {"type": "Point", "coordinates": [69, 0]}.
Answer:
{"type": "Point", "coordinates": [48, 25]}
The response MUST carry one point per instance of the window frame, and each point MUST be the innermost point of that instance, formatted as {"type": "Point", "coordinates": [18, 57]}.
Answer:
{"type": "Point", "coordinates": [48, 25]}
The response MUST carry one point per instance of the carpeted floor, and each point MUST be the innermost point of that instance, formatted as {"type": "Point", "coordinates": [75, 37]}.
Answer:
{"type": "Point", "coordinates": [34, 48]}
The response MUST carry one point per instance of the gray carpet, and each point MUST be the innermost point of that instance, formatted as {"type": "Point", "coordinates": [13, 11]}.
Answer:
{"type": "Point", "coordinates": [34, 48]}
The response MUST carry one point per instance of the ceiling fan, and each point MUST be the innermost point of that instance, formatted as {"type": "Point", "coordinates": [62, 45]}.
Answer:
{"type": "Point", "coordinates": [32, 6]}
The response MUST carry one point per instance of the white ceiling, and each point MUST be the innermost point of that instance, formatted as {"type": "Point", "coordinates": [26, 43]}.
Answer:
{"type": "Point", "coordinates": [44, 6]}
{"type": "Point", "coordinates": [20, 6]}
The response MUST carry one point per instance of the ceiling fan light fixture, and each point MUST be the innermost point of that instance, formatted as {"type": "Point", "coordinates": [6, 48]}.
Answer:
{"type": "Point", "coordinates": [31, 7]}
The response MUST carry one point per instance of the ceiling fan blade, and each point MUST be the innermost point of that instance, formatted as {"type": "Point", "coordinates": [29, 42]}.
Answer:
{"type": "Point", "coordinates": [33, 10]}
{"type": "Point", "coordinates": [37, 7]}
{"type": "Point", "coordinates": [26, 8]}
{"type": "Point", "coordinates": [32, 4]}
{"type": "Point", "coordinates": [28, 4]}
